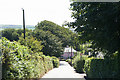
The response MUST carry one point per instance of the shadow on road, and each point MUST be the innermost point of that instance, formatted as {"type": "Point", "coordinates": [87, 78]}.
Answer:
{"type": "Point", "coordinates": [79, 72]}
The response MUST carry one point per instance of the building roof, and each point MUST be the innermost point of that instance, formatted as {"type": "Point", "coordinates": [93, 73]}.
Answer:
{"type": "Point", "coordinates": [68, 49]}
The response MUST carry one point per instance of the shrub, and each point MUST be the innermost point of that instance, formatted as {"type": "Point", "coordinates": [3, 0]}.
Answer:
{"type": "Point", "coordinates": [92, 68]}
{"type": "Point", "coordinates": [87, 65]}
{"type": "Point", "coordinates": [19, 62]}
{"type": "Point", "coordinates": [55, 62]}
{"type": "Point", "coordinates": [101, 68]}
{"type": "Point", "coordinates": [48, 64]}
{"type": "Point", "coordinates": [78, 63]}
{"type": "Point", "coordinates": [68, 60]}
{"type": "Point", "coordinates": [79, 66]}
{"type": "Point", "coordinates": [31, 43]}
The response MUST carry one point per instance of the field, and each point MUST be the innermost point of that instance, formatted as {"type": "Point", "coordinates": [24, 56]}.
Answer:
{"type": "Point", "coordinates": [2, 27]}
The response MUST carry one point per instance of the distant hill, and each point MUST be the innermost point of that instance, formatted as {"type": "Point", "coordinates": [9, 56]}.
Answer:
{"type": "Point", "coordinates": [2, 27]}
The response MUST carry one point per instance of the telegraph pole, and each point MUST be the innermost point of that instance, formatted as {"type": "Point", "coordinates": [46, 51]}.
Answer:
{"type": "Point", "coordinates": [23, 22]}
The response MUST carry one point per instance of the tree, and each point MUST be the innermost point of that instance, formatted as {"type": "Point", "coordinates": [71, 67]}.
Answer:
{"type": "Point", "coordinates": [66, 36]}
{"type": "Point", "coordinates": [99, 23]}
{"type": "Point", "coordinates": [60, 34]}
{"type": "Point", "coordinates": [52, 46]}
{"type": "Point", "coordinates": [12, 34]}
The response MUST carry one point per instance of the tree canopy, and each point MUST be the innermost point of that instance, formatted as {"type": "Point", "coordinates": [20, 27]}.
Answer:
{"type": "Point", "coordinates": [52, 46]}
{"type": "Point", "coordinates": [99, 23]}
{"type": "Point", "coordinates": [64, 34]}
{"type": "Point", "coordinates": [47, 37]}
{"type": "Point", "coordinates": [12, 34]}
{"type": "Point", "coordinates": [54, 37]}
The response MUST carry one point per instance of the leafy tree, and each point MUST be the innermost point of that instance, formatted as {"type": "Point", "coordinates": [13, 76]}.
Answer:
{"type": "Point", "coordinates": [64, 34]}
{"type": "Point", "coordinates": [52, 46]}
{"type": "Point", "coordinates": [99, 23]}
{"type": "Point", "coordinates": [12, 34]}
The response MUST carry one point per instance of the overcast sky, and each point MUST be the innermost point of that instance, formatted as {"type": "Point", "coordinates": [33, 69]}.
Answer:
{"type": "Point", "coordinates": [35, 11]}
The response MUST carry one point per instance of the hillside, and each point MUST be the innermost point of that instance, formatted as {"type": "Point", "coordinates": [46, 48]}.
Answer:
{"type": "Point", "coordinates": [16, 26]}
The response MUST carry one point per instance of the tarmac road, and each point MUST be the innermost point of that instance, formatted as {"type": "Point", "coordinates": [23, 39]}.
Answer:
{"type": "Point", "coordinates": [64, 71]}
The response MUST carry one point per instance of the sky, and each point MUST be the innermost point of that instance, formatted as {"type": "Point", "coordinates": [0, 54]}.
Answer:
{"type": "Point", "coordinates": [36, 11]}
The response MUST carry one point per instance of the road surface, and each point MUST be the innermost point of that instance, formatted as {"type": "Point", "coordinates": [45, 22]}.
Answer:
{"type": "Point", "coordinates": [64, 71]}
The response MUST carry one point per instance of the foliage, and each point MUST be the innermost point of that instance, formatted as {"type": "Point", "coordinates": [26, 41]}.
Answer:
{"type": "Point", "coordinates": [84, 47]}
{"type": "Point", "coordinates": [55, 61]}
{"type": "Point", "coordinates": [78, 63]}
{"type": "Point", "coordinates": [52, 36]}
{"type": "Point", "coordinates": [32, 43]}
{"type": "Point", "coordinates": [12, 34]}
{"type": "Point", "coordinates": [19, 62]}
{"type": "Point", "coordinates": [102, 68]}
{"type": "Point", "coordinates": [98, 22]}
{"type": "Point", "coordinates": [66, 36]}
{"type": "Point", "coordinates": [68, 60]}
{"type": "Point", "coordinates": [51, 43]}
{"type": "Point", "coordinates": [87, 65]}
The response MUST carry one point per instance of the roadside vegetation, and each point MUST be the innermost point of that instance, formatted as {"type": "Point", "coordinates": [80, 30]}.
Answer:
{"type": "Point", "coordinates": [96, 25]}
{"type": "Point", "coordinates": [20, 62]}
{"type": "Point", "coordinates": [32, 57]}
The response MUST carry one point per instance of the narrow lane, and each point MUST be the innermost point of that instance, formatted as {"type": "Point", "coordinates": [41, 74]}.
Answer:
{"type": "Point", "coordinates": [64, 71]}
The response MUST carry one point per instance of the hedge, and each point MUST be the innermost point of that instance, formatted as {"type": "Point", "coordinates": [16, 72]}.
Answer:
{"type": "Point", "coordinates": [79, 66]}
{"type": "Point", "coordinates": [19, 62]}
{"type": "Point", "coordinates": [78, 63]}
{"type": "Point", "coordinates": [56, 62]}
{"type": "Point", "coordinates": [101, 68]}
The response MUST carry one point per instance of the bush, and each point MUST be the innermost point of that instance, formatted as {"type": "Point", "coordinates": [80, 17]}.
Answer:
{"type": "Point", "coordinates": [47, 62]}
{"type": "Point", "coordinates": [87, 64]}
{"type": "Point", "coordinates": [101, 68]}
{"type": "Point", "coordinates": [56, 62]}
{"type": "Point", "coordinates": [68, 60]}
{"type": "Point", "coordinates": [79, 66]}
{"type": "Point", "coordinates": [78, 63]}
{"type": "Point", "coordinates": [19, 62]}
{"type": "Point", "coordinates": [31, 43]}
{"type": "Point", "coordinates": [91, 67]}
